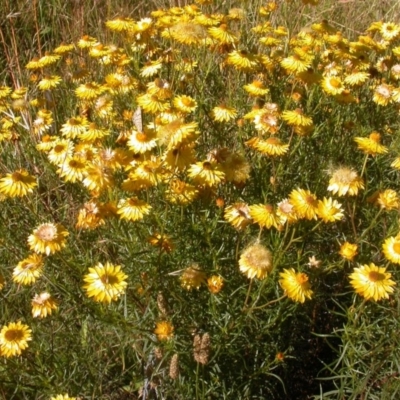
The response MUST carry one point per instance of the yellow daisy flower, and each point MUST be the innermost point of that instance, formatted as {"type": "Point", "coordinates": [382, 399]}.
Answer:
{"type": "Point", "coordinates": [142, 142]}
{"type": "Point", "coordinates": [332, 85]}
{"type": "Point", "coordinates": [151, 103]}
{"type": "Point", "coordinates": [271, 147]}
{"type": "Point", "coordinates": [256, 261]}
{"type": "Point", "coordinates": [74, 127]}
{"type": "Point", "coordinates": [243, 60]}
{"type": "Point", "coordinates": [215, 283]}
{"type": "Point", "coordinates": [185, 104]}
{"type": "Point", "coordinates": [105, 283]}
{"type": "Point", "coordinates": [48, 238]}
{"type": "Point", "coordinates": [206, 173]}
{"type": "Point", "coordinates": [345, 181]}
{"type": "Point", "coordinates": [238, 215]}
{"type": "Point", "coordinates": [372, 282]}
{"type": "Point", "coordinates": [43, 305]}
{"type": "Point", "coordinates": [295, 64]}
{"type": "Point", "coordinates": [296, 118]}
{"type": "Point", "coordinates": [329, 210]}
{"type": "Point", "coordinates": [72, 169]}
{"type": "Point", "coordinates": [63, 397]}
{"type": "Point", "coordinates": [192, 277]}
{"type": "Point", "coordinates": [388, 199]}
{"type": "Point", "coordinates": [223, 35]}
{"type": "Point", "coordinates": [391, 249]}
{"type": "Point", "coordinates": [371, 145]}
{"type": "Point", "coordinates": [223, 113]}
{"type": "Point", "coordinates": [265, 216]}
{"type": "Point", "coordinates": [164, 330]}
{"type": "Point", "coordinates": [188, 33]}
{"type": "Point", "coordinates": [383, 94]}
{"type": "Point", "coordinates": [133, 209]}
{"type": "Point", "coordinates": [17, 184]}
{"type": "Point", "coordinates": [305, 203]}
{"type": "Point", "coordinates": [256, 89]}
{"type": "Point", "coordinates": [49, 82]}
{"type": "Point", "coordinates": [348, 251]}
{"type": "Point", "coordinates": [14, 338]}
{"type": "Point", "coordinates": [295, 285]}
{"type": "Point", "coordinates": [89, 91]}
{"type": "Point", "coordinates": [180, 192]}
{"type": "Point", "coordinates": [64, 48]}
{"type": "Point", "coordinates": [28, 270]}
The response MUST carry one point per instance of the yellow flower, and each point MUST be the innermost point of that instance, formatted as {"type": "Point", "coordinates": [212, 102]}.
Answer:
{"type": "Point", "coordinates": [238, 215]}
{"type": "Point", "coordinates": [164, 330]}
{"type": "Point", "coordinates": [329, 210]}
{"type": "Point", "coordinates": [383, 94]}
{"type": "Point", "coordinates": [61, 149]}
{"type": "Point", "coordinates": [161, 241]}
{"type": "Point", "coordinates": [105, 283]}
{"type": "Point", "coordinates": [121, 24]}
{"type": "Point", "coordinates": [185, 104]}
{"type": "Point", "coordinates": [390, 31]}
{"type": "Point", "coordinates": [388, 199]}
{"type": "Point", "coordinates": [188, 33]}
{"type": "Point", "coordinates": [256, 89]}
{"type": "Point", "coordinates": [271, 147]}
{"type": "Point", "coordinates": [371, 145]}
{"type": "Point", "coordinates": [372, 282]}
{"type": "Point", "coordinates": [296, 118]}
{"type": "Point", "coordinates": [348, 251]}
{"type": "Point", "coordinates": [206, 173]}
{"type": "Point", "coordinates": [215, 283]}
{"type": "Point", "coordinates": [63, 397]}
{"type": "Point", "coordinates": [391, 249]}
{"type": "Point", "coordinates": [72, 169]}
{"type": "Point", "coordinates": [141, 142]}
{"type": "Point", "coordinates": [192, 277]}
{"type": "Point", "coordinates": [295, 64]}
{"type": "Point", "coordinates": [286, 212]}
{"type": "Point", "coordinates": [17, 184]}
{"type": "Point", "coordinates": [28, 270]}
{"type": "Point", "coordinates": [151, 103]}
{"type": "Point", "coordinates": [43, 305]}
{"type": "Point", "coordinates": [14, 338]}
{"type": "Point", "coordinates": [180, 192]}
{"type": "Point", "coordinates": [133, 209]}
{"type": "Point", "coordinates": [48, 238]}
{"type": "Point", "coordinates": [344, 181]}
{"type": "Point", "coordinates": [296, 285]}
{"type": "Point", "coordinates": [64, 48]}
{"type": "Point", "coordinates": [49, 82]}
{"type": "Point", "coordinates": [265, 216]}
{"type": "Point", "coordinates": [223, 113]}
{"type": "Point", "coordinates": [256, 261]}
{"type": "Point", "coordinates": [90, 217]}
{"type": "Point", "coordinates": [223, 35]}
{"type": "Point", "coordinates": [332, 85]}
{"type": "Point", "coordinates": [305, 203]}
{"type": "Point", "coordinates": [89, 91]}
{"type": "Point", "coordinates": [74, 127]}
{"type": "Point", "coordinates": [243, 60]}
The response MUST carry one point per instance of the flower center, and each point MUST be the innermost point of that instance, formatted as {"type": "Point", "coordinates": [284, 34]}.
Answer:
{"type": "Point", "coordinates": [396, 247]}
{"type": "Point", "coordinates": [302, 279]}
{"type": "Point", "coordinates": [375, 276]}
{"type": "Point", "coordinates": [47, 233]}
{"type": "Point", "coordinates": [14, 335]}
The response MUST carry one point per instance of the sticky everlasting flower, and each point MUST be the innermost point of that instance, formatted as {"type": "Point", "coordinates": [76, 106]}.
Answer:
{"type": "Point", "coordinates": [265, 216]}
{"type": "Point", "coordinates": [105, 283]}
{"type": "Point", "coordinates": [296, 285]}
{"type": "Point", "coordinates": [348, 250]}
{"type": "Point", "coordinates": [164, 330]}
{"type": "Point", "coordinates": [238, 215]}
{"type": "Point", "coordinates": [345, 181]}
{"type": "Point", "coordinates": [17, 184]}
{"type": "Point", "coordinates": [215, 283]}
{"type": "Point", "coordinates": [133, 209]}
{"type": "Point", "coordinates": [372, 282]}
{"type": "Point", "coordinates": [192, 277]}
{"type": "Point", "coordinates": [391, 249]}
{"type": "Point", "coordinates": [256, 261]}
{"type": "Point", "coordinates": [371, 145]}
{"type": "Point", "coordinates": [28, 270]}
{"type": "Point", "coordinates": [43, 305]}
{"type": "Point", "coordinates": [48, 238]}
{"type": "Point", "coordinates": [329, 210]}
{"type": "Point", "coordinates": [14, 338]}
{"type": "Point", "coordinates": [305, 203]}
{"type": "Point", "coordinates": [206, 173]}
{"type": "Point", "coordinates": [63, 397]}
